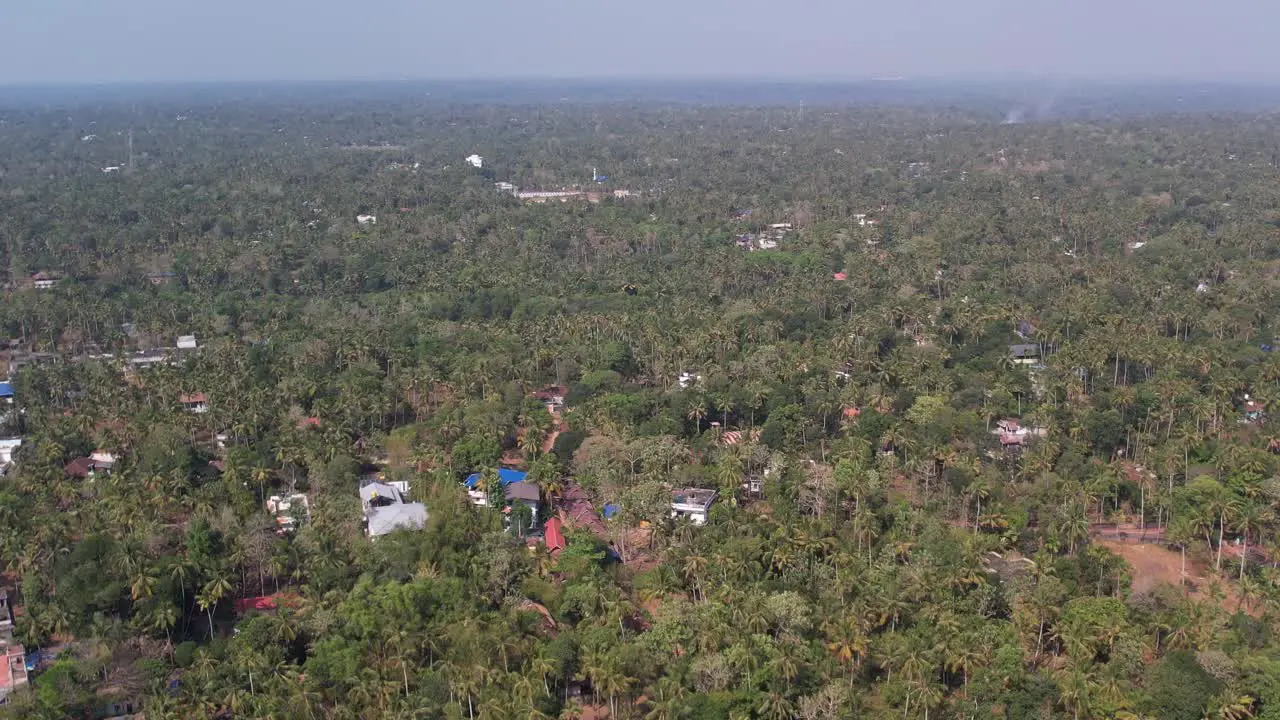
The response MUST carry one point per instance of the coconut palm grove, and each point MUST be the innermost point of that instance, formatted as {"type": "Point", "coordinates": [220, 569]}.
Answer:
{"type": "Point", "coordinates": [480, 402]}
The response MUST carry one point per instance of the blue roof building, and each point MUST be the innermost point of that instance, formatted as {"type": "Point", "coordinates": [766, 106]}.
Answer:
{"type": "Point", "coordinates": [505, 476]}
{"type": "Point", "coordinates": [6, 390]}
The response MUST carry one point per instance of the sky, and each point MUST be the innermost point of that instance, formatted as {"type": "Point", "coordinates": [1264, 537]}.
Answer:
{"type": "Point", "coordinates": [107, 41]}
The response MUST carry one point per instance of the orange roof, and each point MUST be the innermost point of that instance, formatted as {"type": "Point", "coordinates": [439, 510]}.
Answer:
{"type": "Point", "coordinates": [189, 398]}
{"type": "Point", "coordinates": [553, 534]}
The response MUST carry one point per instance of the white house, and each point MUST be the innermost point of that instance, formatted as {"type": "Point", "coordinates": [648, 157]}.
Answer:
{"type": "Point", "coordinates": [8, 446]}
{"type": "Point", "coordinates": [506, 187]}
{"type": "Point", "coordinates": [111, 169]}
{"type": "Point", "coordinates": [44, 280]}
{"type": "Point", "coordinates": [103, 460]}
{"type": "Point", "coordinates": [475, 161]}
{"type": "Point", "coordinates": [688, 380]}
{"type": "Point", "coordinates": [186, 342]}
{"type": "Point", "coordinates": [289, 511]}
{"type": "Point", "coordinates": [692, 503]}
{"type": "Point", "coordinates": [367, 219]}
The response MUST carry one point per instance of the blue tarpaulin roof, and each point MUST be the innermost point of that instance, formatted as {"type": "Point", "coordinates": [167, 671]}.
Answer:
{"type": "Point", "coordinates": [610, 510]}
{"type": "Point", "coordinates": [505, 476]}
{"type": "Point", "coordinates": [6, 389]}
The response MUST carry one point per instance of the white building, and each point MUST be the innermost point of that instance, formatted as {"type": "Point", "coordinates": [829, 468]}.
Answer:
{"type": "Point", "coordinates": [475, 161]}
{"type": "Point", "coordinates": [367, 219]}
{"type": "Point", "coordinates": [44, 280]}
{"type": "Point", "coordinates": [506, 187]}
{"type": "Point", "coordinates": [186, 342]}
{"type": "Point", "coordinates": [692, 503]}
{"type": "Point", "coordinates": [8, 446]}
{"type": "Point", "coordinates": [688, 380]}
{"type": "Point", "coordinates": [103, 460]}
{"type": "Point", "coordinates": [385, 510]}
{"type": "Point", "coordinates": [289, 511]}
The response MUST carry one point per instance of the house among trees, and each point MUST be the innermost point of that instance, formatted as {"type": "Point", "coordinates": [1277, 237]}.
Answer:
{"type": "Point", "coordinates": [1252, 411]}
{"type": "Point", "coordinates": [577, 512]}
{"type": "Point", "coordinates": [8, 446]}
{"type": "Point", "coordinates": [477, 491]}
{"type": "Point", "coordinates": [553, 397]}
{"type": "Point", "coordinates": [290, 511]}
{"type": "Point", "coordinates": [6, 392]}
{"type": "Point", "coordinates": [553, 535]}
{"type": "Point", "coordinates": [103, 460]}
{"type": "Point", "coordinates": [515, 491]}
{"type": "Point", "coordinates": [385, 510]}
{"type": "Point", "coordinates": [161, 278]}
{"type": "Point", "coordinates": [692, 503]}
{"type": "Point", "coordinates": [186, 342]}
{"type": "Point", "coordinates": [1025, 353]}
{"type": "Point", "coordinates": [13, 670]}
{"type": "Point", "coordinates": [522, 494]}
{"type": "Point", "coordinates": [83, 468]}
{"type": "Point", "coordinates": [44, 280]}
{"type": "Point", "coordinates": [194, 402]}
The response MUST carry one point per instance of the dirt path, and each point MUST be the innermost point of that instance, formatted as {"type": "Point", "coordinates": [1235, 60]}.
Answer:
{"type": "Point", "coordinates": [557, 427]}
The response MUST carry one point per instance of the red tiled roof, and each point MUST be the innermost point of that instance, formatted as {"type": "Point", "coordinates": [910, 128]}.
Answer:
{"type": "Point", "coordinates": [550, 391]}
{"type": "Point", "coordinates": [191, 398]}
{"type": "Point", "coordinates": [580, 514]}
{"type": "Point", "coordinates": [80, 467]}
{"type": "Point", "coordinates": [553, 534]}
{"type": "Point", "coordinates": [309, 422]}
{"type": "Point", "coordinates": [840, 276]}
{"type": "Point", "coordinates": [265, 602]}
{"type": "Point", "coordinates": [852, 412]}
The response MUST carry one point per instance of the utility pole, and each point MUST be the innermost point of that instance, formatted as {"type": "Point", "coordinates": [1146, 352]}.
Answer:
{"type": "Point", "coordinates": [131, 149]}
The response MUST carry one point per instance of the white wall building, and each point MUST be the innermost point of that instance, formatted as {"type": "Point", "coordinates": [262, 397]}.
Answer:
{"type": "Point", "coordinates": [8, 446]}
{"type": "Point", "coordinates": [475, 161]}
{"type": "Point", "coordinates": [692, 503]}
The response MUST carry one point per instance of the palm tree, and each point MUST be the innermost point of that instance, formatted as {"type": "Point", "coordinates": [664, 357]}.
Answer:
{"type": "Point", "coordinates": [1250, 519]}
{"type": "Point", "coordinates": [697, 412]}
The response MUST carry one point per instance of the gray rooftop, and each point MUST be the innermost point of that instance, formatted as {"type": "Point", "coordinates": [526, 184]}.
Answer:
{"type": "Point", "coordinates": [522, 491]}
{"type": "Point", "coordinates": [410, 516]}
{"type": "Point", "coordinates": [1024, 350]}
{"type": "Point", "coordinates": [693, 496]}
{"type": "Point", "coordinates": [379, 490]}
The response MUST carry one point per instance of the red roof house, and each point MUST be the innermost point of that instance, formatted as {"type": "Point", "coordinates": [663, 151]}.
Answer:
{"type": "Point", "coordinates": [80, 467]}
{"type": "Point", "coordinates": [553, 535]}
{"type": "Point", "coordinates": [265, 603]}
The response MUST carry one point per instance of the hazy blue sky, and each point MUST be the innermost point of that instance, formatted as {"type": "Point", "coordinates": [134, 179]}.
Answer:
{"type": "Point", "coordinates": [149, 40]}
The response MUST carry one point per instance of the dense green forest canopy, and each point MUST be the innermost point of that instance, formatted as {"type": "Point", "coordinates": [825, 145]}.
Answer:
{"type": "Point", "coordinates": [808, 309]}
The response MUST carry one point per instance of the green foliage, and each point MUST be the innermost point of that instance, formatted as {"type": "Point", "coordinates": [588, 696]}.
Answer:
{"type": "Point", "coordinates": [1178, 688]}
{"type": "Point", "coordinates": [883, 542]}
